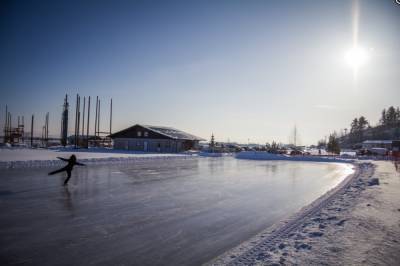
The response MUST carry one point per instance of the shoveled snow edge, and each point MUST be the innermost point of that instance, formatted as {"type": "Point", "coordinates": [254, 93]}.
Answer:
{"type": "Point", "coordinates": [278, 231]}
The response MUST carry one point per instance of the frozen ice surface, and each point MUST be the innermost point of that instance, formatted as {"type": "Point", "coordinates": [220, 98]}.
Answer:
{"type": "Point", "coordinates": [168, 212]}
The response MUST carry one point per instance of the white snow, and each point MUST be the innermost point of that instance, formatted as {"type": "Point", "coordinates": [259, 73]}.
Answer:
{"type": "Point", "coordinates": [22, 158]}
{"type": "Point", "coordinates": [214, 154]}
{"type": "Point", "coordinates": [260, 155]}
{"type": "Point", "coordinates": [356, 224]}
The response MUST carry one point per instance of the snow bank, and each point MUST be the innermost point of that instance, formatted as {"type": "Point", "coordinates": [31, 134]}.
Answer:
{"type": "Point", "coordinates": [213, 154]}
{"type": "Point", "coordinates": [263, 248]}
{"type": "Point", "coordinates": [260, 155]}
{"type": "Point", "coordinates": [357, 224]}
{"type": "Point", "coordinates": [26, 158]}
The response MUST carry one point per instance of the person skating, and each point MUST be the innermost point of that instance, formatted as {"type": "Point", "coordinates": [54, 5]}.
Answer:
{"type": "Point", "coordinates": [68, 168]}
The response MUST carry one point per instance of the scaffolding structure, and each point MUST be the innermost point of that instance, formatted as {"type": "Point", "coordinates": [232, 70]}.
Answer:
{"type": "Point", "coordinates": [101, 138]}
{"type": "Point", "coordinates": [13, 135]}
{"type": "Point", "coordinates": [81, 137]}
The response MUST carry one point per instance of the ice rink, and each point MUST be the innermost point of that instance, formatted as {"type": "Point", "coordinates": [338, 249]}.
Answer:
{"type": "Point", "coordinates": [169, 212]}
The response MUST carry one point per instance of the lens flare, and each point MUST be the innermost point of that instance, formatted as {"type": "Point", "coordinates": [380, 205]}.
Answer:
{"type": "Point", "coordinates": [356, 57]}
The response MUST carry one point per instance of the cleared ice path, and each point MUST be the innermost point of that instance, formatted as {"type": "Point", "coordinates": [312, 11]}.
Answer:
{"type": "Point", "coordinates": [169, 212]}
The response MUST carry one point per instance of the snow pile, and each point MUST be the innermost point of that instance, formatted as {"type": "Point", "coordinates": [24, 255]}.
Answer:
{"type": "Point", "coordinates": [26, 158]}
{"type": "Point", "coordinates": [213, 154]}
{"type": "Point", "coordinates": [260, 155]}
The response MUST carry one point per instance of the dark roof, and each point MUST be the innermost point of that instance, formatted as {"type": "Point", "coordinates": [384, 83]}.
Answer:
{"type": "Point", "coordinates": [169, 132]}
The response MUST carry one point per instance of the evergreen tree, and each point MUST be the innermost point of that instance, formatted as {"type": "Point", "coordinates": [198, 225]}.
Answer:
{"type": "Point", "coordinates": [333, 144]}
{"type": "Point", "coordinates": [383, 117]}
{"type": "Point", "coordinates": [354, 125]}
{"type": "Point", "coordinates": [362, 123]}
{"type": "Point", "coordinates": [321, 144]}
{"type": "Point", "coordinates": [212, 142]}
{"type": "Point", "coordinates": [398, 116]}
{"type": "Point", "coordinates": [354, 132]}
{"type": "Point", "coordinates": [267, 146]}
{"type": "Point", "coordinates": [274, 147]}
{"type": "Point", "coordinates": [391, 116]}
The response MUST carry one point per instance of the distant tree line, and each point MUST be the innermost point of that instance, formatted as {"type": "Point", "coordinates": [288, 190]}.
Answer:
{"type": "Point", "coordinates": [361, 129]}
{"type": "Point", "coordinates": [274, 147]}
{"type": "Point", "coordinates": [390, 117]}
{"type": "Point", "coordinates": [333, 145]}
{"type": "Point", "coordinates": [357, 128]}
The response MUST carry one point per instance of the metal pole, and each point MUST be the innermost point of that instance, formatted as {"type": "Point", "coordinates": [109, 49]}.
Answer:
{"type": "Point", "coordinates": [46, 132]}
{"type": "Point", "coordinates": [23, 130]}
{"type": "Point", "coordinates": [62, 128]}
{"type": "Point", "coordinates": [47, 128]}
{"type": "Point", "coordinates": [32, 132]}
{"type": "Point", "coordinates": [5, 125]}
{"type": "Point", "coordinates": [83, 117]}
{"type": "Point", "coordinates": [79, 119]}
{"type": "Point", "coordinates": [110, 115]}
{"type": "Point", "coordinates": [76, 118]}
{"type": "Point", "coordinates": [43, 136]}
{"type": "Point", "coordinates": [98, 122]}
{"type": "Point", "coordinates": [75, 121]}
{"type": "Point", "coordinates": [87, 128]}
{"type": "Point", "coordinates": [95, 120]}
{"type": "Point", "coordinates": [10, 126]}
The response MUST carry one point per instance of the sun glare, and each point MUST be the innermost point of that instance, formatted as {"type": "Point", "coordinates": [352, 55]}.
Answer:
{"type": "Point", "coordinates": [356, 57]}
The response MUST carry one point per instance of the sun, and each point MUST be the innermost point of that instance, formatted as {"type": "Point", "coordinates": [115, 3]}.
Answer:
{"type": "Point", "coordinates": [356, 57]}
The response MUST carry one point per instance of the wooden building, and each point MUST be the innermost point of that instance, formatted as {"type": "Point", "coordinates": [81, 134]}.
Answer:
{"type": "Point", "coordinates": [154, 139]}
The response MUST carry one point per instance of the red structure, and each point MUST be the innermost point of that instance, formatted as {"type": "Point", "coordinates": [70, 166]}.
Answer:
{"type": "Point", "coordinates": [396, 149]}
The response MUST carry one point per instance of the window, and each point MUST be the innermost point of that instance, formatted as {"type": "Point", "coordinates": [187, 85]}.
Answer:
{"type": "Point", "coordinates": [146, 134]}
{"type": "Point", "coordinates": [139, 133]}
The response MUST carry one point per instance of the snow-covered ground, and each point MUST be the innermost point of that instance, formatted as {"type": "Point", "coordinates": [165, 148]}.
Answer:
{"type": "Point", "coordinates": [22, 158]}
{"type": "Point", "coordinates": [214, 154]}
{"type": "Point", "coordinates": [355, 224]}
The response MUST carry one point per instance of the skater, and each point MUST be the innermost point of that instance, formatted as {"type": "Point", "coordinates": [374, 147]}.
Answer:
{"type": "Point", "coordinates": [68, 168]}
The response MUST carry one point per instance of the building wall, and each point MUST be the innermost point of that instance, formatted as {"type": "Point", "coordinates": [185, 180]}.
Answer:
{"type": "Point", "coordinates": [151, 145]}
{"type": "Point", "coordinates": [377, 145]}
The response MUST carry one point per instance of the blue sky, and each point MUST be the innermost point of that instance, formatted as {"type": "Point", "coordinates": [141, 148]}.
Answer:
{"type": "Point", "coordinates": [239, 69]}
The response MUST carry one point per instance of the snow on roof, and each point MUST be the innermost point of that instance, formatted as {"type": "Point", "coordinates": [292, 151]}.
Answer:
{"type": "Point", "coordinates": [172, 132]}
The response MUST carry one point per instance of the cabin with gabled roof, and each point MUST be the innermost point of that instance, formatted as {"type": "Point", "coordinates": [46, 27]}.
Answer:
{"type": "Point", "coordinates": [148, 138]}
